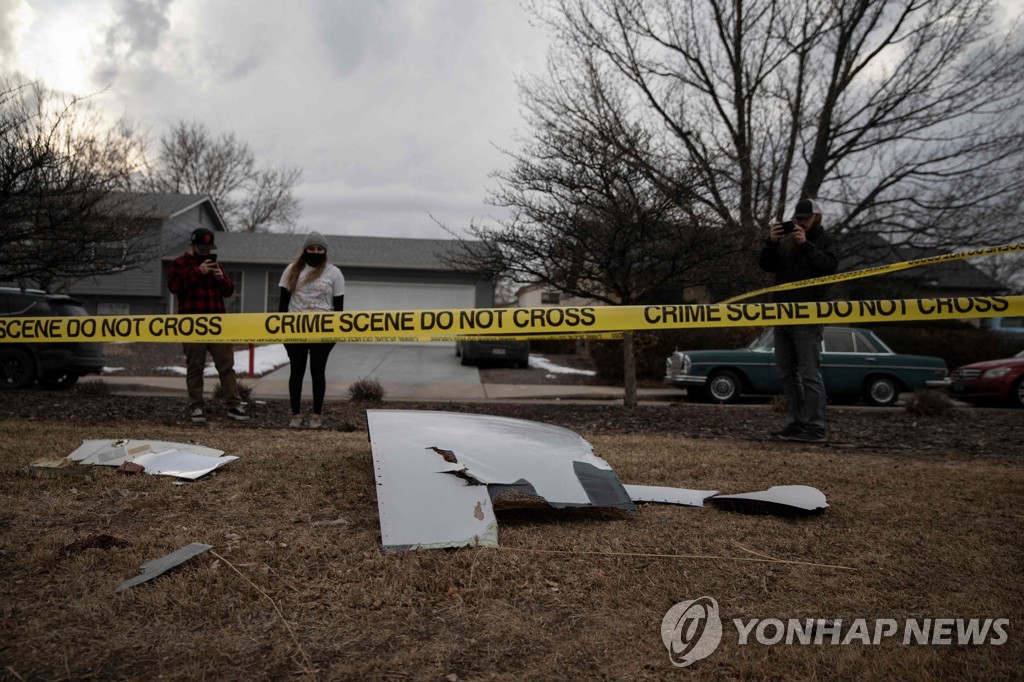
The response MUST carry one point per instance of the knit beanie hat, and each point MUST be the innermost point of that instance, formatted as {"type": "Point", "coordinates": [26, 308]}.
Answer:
{"type": "Point", "coordinates": [314, 239]}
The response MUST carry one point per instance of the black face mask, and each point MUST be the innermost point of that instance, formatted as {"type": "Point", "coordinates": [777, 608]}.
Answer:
{"type": "Point", "coordinates": [314, 259]}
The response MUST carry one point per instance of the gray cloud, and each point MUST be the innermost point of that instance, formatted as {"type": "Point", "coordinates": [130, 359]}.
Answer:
{"type": "Point", "coordinates": [246, 66]}
{"type": "Point", "coordinates": [138, 27]}
{"type": "Point", "coordinates": [392, 108]}
{"type": "Point", "coordinates": [9, 11]}
{"type": "Point", "coordinates": [351, 30]}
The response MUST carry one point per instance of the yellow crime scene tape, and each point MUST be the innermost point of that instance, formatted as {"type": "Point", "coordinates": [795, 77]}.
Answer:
{"type": "Point", "coordinates": [881, 269]}
{"type": "Point", "coordinates": [519, 323]}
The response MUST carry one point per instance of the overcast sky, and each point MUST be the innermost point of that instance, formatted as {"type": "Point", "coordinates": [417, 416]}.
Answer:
{"type": "Point", "coordinates": [392, 108]}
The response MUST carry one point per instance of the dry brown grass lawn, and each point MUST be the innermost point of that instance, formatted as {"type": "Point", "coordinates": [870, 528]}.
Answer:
{"type": "Point", "coordinates": [297, 585]}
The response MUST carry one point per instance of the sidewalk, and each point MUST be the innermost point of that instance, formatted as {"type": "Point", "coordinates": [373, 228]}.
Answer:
{"type": "Point", "coordinates": [265, 388]}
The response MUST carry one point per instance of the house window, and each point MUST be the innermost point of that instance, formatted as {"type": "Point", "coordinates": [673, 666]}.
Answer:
{"type": "Point", "coordinates": [550, 298]}
{"type": "Point", "coordinates": [233, 304]}
{"type": "Point", "coordinates": [113, 309]}
{"type": "Point", "coordinates": [273, 290]}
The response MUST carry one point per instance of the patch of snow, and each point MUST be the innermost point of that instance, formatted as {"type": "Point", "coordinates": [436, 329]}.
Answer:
{"type": "Point", "coordinates": [541, 362]}
{"type": "Point", "coordinates": [266, 359]}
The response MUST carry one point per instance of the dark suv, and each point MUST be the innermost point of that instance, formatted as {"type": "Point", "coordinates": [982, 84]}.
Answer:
{"type": "Point", "coordinates": [475, 352]}
{"type": "Point", "coordinates": [54, 365]}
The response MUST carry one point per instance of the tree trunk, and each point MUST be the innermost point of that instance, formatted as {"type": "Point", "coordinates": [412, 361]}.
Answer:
{"type": "Point", "coordinates": [628, 370]}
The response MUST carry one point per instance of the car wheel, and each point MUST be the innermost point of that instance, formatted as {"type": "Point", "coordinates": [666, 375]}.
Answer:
{"type": "Point", "coordinates": [17, 370]}
{"type": "Point", "coordinates": [466, 361]}
{"type": "Point", "coordinates": [1017, 393]}
{"type": "Point", "coordinates": [881, 391]}
{"type": "Point", "coordinates": [458, 350]}
{"type": "Point", "coordinates": [724, 387]}
{"type": "Point", "coordinates": [59, 382]}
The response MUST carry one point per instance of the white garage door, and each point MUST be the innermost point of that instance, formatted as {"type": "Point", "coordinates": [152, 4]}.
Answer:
{"type": "Point", "coordinates": [405, 296]}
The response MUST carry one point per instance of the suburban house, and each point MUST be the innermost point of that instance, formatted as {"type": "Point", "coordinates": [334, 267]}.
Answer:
{"type": "Point", "coordinates": [143, 290]}
{"type": "Point", "coordinates": [952, 278]}
{"type": "Point", "coordinates": [381, 273]}
{"type": "Point", "coordinates": [538, 295]}
{"type": "Point", "coordinates": [388, 273]}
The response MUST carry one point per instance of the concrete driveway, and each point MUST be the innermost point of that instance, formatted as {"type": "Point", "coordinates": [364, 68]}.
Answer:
{"type": "Point", "coordinates": [406, 369]}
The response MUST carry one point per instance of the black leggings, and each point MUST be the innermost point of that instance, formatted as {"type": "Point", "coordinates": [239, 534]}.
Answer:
{"type": "Point", "coordinates": [317, 353]}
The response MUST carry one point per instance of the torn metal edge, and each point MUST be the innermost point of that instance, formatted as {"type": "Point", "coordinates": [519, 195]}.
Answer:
{"type": "Point", "coordinates": [158, 457]}
{"type": "Point", "coordinates": [668, 495]}
{"type": "Point", "coordinates": [779, 499]}
{"type": "Point", "coordinates": [114, 452]}
{"type": "Point", "coordinates": [510, 463]}
{"type": "Point", "coordinates": [156, 567]}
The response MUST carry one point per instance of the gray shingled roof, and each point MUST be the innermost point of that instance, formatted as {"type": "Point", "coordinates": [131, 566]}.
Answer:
{"type": "Point", "coordinates": [869, 250]}
{"type": "Point", "coordinates": [163, 205]}
{"type": "Point", "coordinates": [344, 250]}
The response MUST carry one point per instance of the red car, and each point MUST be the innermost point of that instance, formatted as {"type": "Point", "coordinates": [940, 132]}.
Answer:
{"type": "Point", "coordinates": [991, 381]}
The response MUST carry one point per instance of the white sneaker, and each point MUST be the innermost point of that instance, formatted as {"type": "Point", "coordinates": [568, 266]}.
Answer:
{"type": "Point", "coordinates": [198, 416]}
{"type": "Point", "coordinates": [314, 422]}
{"type": "Point", "coordinates": [296, 422]}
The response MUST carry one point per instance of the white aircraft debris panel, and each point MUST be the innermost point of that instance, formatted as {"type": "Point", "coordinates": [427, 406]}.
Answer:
{"type": "Point", "coordinates": [440, 475]}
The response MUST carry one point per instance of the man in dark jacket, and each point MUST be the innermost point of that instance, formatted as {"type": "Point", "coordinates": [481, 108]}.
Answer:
{"type": "Point", "coordinates": [201, 285]}
{"type": "Point", "coordinates": [794, 251]}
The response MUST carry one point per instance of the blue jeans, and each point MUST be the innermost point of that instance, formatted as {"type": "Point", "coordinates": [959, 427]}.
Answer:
{"type": "Point", "coordinates": [798, 360]}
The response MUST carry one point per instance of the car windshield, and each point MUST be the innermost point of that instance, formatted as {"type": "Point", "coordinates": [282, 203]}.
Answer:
{"type": "Point", "coordinates": [764, 342]}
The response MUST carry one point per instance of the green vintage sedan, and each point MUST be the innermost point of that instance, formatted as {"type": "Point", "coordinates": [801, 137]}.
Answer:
{"type": "Point", "coordinates": [855, 363]}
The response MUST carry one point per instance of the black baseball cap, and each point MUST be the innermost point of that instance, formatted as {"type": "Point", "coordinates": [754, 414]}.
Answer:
{"type": "Point", "coordinates": [805, 208]}
{"type": "Point", "coordinates": [202, 238]}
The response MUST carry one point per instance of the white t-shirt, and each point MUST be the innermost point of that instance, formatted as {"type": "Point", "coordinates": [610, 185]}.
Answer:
{"type": "Point", "coordinates": [317, 295]}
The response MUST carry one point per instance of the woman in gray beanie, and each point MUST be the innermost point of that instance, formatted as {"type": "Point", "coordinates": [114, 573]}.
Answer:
{"type": "Point", "coordinates": [310, 284]}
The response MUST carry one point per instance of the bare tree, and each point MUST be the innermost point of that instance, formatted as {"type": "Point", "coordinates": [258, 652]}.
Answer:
{"type": "Point", "coordinates": [905, 116]}
{"type": "Point", "coordinates": [1006, 268]}
{"type": "Point", "coordinates": [194, 161]}
{"type": "Point", "coordinates": [270, 201]}
{"type": "Point", "coordinates": [584, 217]}
{"type": "Point", "coordinates": [60, 167]}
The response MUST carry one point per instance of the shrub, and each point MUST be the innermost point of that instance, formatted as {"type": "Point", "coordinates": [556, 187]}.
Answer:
{"type": "Point", "coordinates": [929, 403]}
{"type": "Point", "coordinates": [365, 390]}
{"type": "Point", "coordinates": [244, 390]}
{"type": "Point", "coordinates": [92, 388]}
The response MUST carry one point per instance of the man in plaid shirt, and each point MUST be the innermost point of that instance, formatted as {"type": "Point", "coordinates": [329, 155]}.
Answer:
{"type": "Point", "coordinates": [200, 285]}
